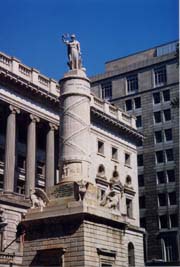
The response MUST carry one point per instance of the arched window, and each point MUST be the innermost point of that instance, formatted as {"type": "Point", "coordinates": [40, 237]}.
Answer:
{"type": "Point", "coordinates": [101, 169]}
{"type": "Point", "coordinates": [131, 258]}
{"type": "Point", "coordinates": [128, 180]}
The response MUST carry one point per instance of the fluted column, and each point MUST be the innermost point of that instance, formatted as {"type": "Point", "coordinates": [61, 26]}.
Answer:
{"type": "Point", "coordinates": [50, 156]}
{"type": "Point", "coordinates": [10, 150]}
{"type": "Point", "coordinates": [31, 155]}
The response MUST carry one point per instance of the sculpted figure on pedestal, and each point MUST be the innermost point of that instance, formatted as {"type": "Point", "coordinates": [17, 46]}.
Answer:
{"type": "Point", "coordinates": [82, 187]}
{"type": "Point", "coordinates": [38, 199]}
{"type": "Point", "coordinates": [110, 200]}
{"type": "Point", "coordinates": [74, 52]}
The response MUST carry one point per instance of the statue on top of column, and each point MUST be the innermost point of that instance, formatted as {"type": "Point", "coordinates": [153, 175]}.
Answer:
{"type": "Point", "coordinates": [73, 50]}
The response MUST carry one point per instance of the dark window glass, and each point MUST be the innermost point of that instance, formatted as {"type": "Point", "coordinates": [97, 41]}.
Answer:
{"type": "Point", "coordinates": [169, 155]}
{"type": "Point", "coordinates": [168, 134]}
{"type": "Point", "coordinates": [159, 157]}
{"type": "Point", "coordinates": [106, 90]}
{"type": "Point", "coordinates": [140, 160]}
{"type": "Point", "coordinates": [21, 162]}
{"type": "Point", "coordinates": [129, 207]}
{"type": "Point", "coordinates": [131, 257]}
{"type": "Point", "coordinates": [127, 159]}
{"type": "Point", "coordinates": [1, 181]}
{"type": "Point", "coordinates": [137, 102]}
{"type": "Point", "coordinates": [100, 147]}
{"type": "Point", "coordinates": [156, 98]}
{"type": "Point", "coordinates": [2, 154]}
{"type": "Point", "coordinates": [163, 221]}
{"type": "Point", "coordinates": [167, 114]}
{"type": "Point", "coordinates": [160, 75]}
{"type": "Point", "coordinates": [166, 95]}
{"type": "Point", "coordinates": [172, 198]}
{"type": "Point", "coordinates": [141, 180]}
{"type": "Point", "coordinates": [142, 202]}
{"type": "Point", "coordinates": [162, 199]}
{"type": "Point", "coordinates": [132, 84]}
{"type": "Point", "coordinates": [171, 175]}
{"type": "Point", "coordinates": [138, 121]}
{"type": "Point", "coordinates": [143, 222]}
{"type": "Point", "coordinates": [158, 137]}
{"type": "Point", "coordinates": [161, 179]}
{"type": "Point", "coordinates": [174, 220]}
{"type": "Point", "coordinates": [157, 116]}
{"type": "Point", "coordinates": [128, 104]}
{"type": "Point", "coordinates": [114, 153]}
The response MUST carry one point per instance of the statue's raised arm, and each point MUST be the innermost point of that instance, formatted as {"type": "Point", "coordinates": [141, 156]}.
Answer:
{"type": "Point", "coordinates": [73, 50]}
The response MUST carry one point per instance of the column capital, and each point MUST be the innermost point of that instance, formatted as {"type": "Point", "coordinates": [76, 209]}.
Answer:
{"type": "Point", "coordinates": [53, 126]}
{"type": "Point", "coordinates": [14, 109]}
{"type": "Point", "coordinates": [34, 118]}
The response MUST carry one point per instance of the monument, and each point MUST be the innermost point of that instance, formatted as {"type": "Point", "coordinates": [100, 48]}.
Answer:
{"type": "Point", "coordinates": [90, 218]}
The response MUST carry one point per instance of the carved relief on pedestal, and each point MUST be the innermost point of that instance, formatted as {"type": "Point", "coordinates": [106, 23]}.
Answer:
{"type": "Point", "coordinates": [72, 170]}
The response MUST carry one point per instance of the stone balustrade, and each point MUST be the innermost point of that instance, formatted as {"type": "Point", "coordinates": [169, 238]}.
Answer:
{"type": "Point", "coordinates": [113, 111]}
{"type": "Point", "coordinates": [31, 75]}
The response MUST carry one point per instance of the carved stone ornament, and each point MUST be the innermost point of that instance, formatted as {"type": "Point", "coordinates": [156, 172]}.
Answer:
{"type": "Point", "coordinates": [38, 199]}
{"type": "Point", "coordinates": [82, 188]}
{"type": "Point", "coordinates": [111, 199]}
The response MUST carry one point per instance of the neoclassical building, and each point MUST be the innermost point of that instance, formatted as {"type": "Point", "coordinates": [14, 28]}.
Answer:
{"type": "Point", "coordinates": [68, 186]}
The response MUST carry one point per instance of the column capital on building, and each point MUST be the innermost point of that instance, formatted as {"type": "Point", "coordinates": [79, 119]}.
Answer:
{"type": "Point", "coordinates": [34, 118]}
{"type": "Point", "coordinates": [53, 126]}
{"type": "Point", "coordinates": [14, 109]}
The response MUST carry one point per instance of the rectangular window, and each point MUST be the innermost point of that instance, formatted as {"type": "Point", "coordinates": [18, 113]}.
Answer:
{"type": "Point", "coordinates": [100, 147]}
{"type": "Point", "coordinates": [173, 220]}
{"type": "Point", "coordinates": [129, 207]}
{"type": "Point", "coordinates": [156, 98]}
{"type": "Point", "coordinates": [162, 199]}
{"type": "Point", "coordinates": [137, 102]}
{"type": "Point", "coordinates": [2, 151]}
{"type": "Point", "coordinates": [172, 198]}
{"type": "Point", "coordinates": [170, 176]}
{"type": "Point", "coordinates": [161, 179]}
{"type": "Point", "coordinates": [163, 220]}
{"type": "Point", "coordinates": [158, 137]}
{"type": "Point", "coordinates": [127, 157]}
{"type": "Point", "coordinates": [169, 155]}
{"type": "Point", "coordinates": [128, 104]}
{"type": "Point", "coordinates": [132, 84]}
{"type": "Point", "coordinates": [157, 117]}
{"type": "Point", "coordinates": [21, 162]}
{"type": "Point", "coordinates": [168, 134]}
{"type": "Point", "coordinates": [140, 160]}
{"type": "Point", "coordinates": [167, 114]}
{"type": "Point", "coordinates": [40, 168]}
{"type": "Point", "coordinates": [114, 153]}
{"type": "Point", "coordinates": [1, 181]}
{"type": "Point", "coordinates": [166, 95]}
{"type": "Point", "coordinates": [141, 180]}
{"type": "Point", "coordinates": [138, 121]}
{"type": "Point", "coordinates": [106, 90]}
{"type": "Point", "coordinates": [142, 202]}
{"type": "Point", "coordinates": [159, 156]}
{"type": "Point", "coordinates": [20, 188]}
{"type": "Point", "coordinates": [160, 76]}
{"type": "Point", "coordinates": [143, 222]}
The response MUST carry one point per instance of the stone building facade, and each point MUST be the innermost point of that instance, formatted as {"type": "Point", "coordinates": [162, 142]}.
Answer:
{"type": "Point", "coordinates": [146, 85]}
{"type": "Point", "coordinates": [81, 179]}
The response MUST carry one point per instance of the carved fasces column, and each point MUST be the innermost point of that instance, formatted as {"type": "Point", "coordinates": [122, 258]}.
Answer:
{"type": "Point", "coordinates": [31, 155]}
{"type": "Point", "coordinates": [50, 156]}
{"type": "Point", "coordinates": [9, 169]}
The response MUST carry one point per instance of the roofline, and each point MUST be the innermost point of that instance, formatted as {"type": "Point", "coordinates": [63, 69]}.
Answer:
{"type": "Point", "coordinates": [141, 51]}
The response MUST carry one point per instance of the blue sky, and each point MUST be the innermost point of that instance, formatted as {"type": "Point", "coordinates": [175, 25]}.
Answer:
{"type": "Point", "coordinates": [107, 29]}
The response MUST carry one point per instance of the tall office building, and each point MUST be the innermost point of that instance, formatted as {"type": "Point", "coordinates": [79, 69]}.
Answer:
{"type": "Point", "coordinates": [146, 85]}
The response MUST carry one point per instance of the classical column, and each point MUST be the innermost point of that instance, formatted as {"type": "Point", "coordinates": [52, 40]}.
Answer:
{"type": "Point", "coordinates": [50, 158]}
{"type": "Point", "coordinates": [31, 155]}
{"type": "Point", "coordinates": [10, 150]}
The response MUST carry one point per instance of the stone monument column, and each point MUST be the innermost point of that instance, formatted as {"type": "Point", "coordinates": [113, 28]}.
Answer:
{"type": "Point", "coordinates": [31, 155]}
{"type": "Point", "coordinates": [10, 150]}
{"type": "Point", "coordinates": [50, 159]}
{"type": "Point", "coordinates": [74, 156]}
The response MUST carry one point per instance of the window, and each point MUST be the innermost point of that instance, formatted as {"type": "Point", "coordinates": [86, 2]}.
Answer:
{"type": "Point", "coordinates": [173, 220]}
{"type": "Point", "coordinates": [129, 207]}
{"type": "Point", "coordinates": [131, 258]}
{"type": "Point", "coordinates": [168, 134]}
{"type": "Point", "coordinates": [161, 179]}
{"type": "Point", "coordinates": [141, 180]}
{"type": "Point", "coordinates": [142, 202]}
{"type": "Point", "coordinates": [100, 147]}
{"type": "Point", "coordinates": [1, 181]}
{"type": "Point", "coordinates": [159, 157]}
{"type": "Point", "coordinates": [138, 121]}
{"type": "Point", "coordinates": [169, 155]}
{"type": "Point", "coordinates": [166, 95]}
{"type": "Point", "coordinates": [160, 76]}
{"type": "Point", "coordinates": [170, 176]}
{"type": "Point", "coordinates": [132, 84]}
{"type": "Point", "coordinates": [162, 199]}
{"type": "Point", "coordinates": [20, 189]}
{"type": "Point", "coordinates": [169, 247]}
{"type": "Point", "coordinates": [128, 104]}
{"type": "Point", "coordinates": [114, 153]}
{"type": "Point", "coordinates": [167, 114]}
{"type": "Point", "coordinates": [172, 198]}
{"type": "Point", "coordinates": [106, 265]}
{"type": "Point", "coordinates": [106, 90]}
{"type": "Point", "coordinates": [157, 117]}
{"type": "Point", "coordinates": [2, 154]}
{"type": "Point", "coordinates": [127, 159]}
{"type": "Point", "coordinates": [158, 137]}
{"type": "Point", "coordinates": [156, 98]}
{"type": "Point", "coordinates": [21, 162]}
{"type": "Point", "coordinates": [40, 168]}
{"type": "Point", "coordinates": [140, 160]}
{"type": "Point", "coordinates": [137, 102]}
{"type": "Point", "coordinates": [163, 221]}
{"type": "Point", "coordinates": [143, 222]}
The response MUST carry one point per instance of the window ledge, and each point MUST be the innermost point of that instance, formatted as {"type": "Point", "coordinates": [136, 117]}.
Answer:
{"type": "Point", "coordinates": [100, 154]}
